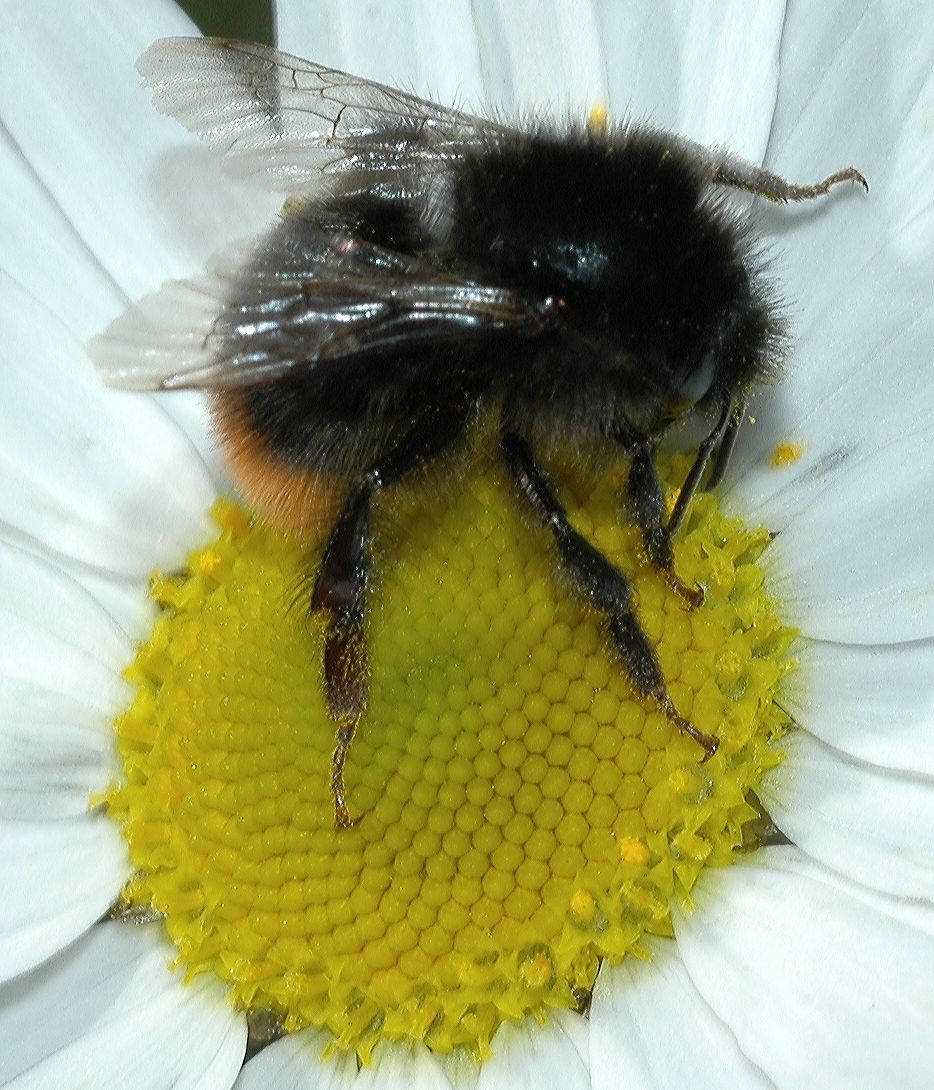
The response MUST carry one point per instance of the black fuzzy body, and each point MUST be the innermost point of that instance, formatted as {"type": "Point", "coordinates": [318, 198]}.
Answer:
{"type": "Point", "coordinates": [575, 292]}
{"type": "Point", "coordinates": [652, 273]}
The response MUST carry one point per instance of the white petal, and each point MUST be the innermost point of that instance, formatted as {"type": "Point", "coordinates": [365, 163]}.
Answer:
{"type": "Point", "coordinates": [858, 377]}
{"type": "Point", "coordinates": [509, 58]}
{"type": "Point", "coordinates": [419, 45]}
{"type": "Point", "coordinates": [856, 566]}
{"type": "Point", "coordinates": [42, 253]}
{"type": "Point", "coordinates": [56, 747]}
{"type": "Point", "coordinates": [857, 88]}
{"type": "Point", "coordinates": [189, 410]}
{"type": "Point", "coordinates": [146, 200]}
{"type": "Point", "coordinates": [875, 703]}
{"type": "Point", "coordinates": [41, 250]}
{"type": "Point", "coordinates": [869, 823]}
{"type": "Point", "coordinates": [95, 476]}
{"type": "Point", "coordinates": [542, 57]}
{"type": "Point", "coordinates": [523, 57]}
{"type": "Point", "coordinates": [577, 1031]}
{"type": "Point", "coordinates": [398, 1067]}
{"type": "Point", "coordinates": [54, 754]}
{"type": "Point", "coordinates": [707, 71]}
{"type": "Point", "coordinates": [58, 878]}
{"type": "Point", "coordinates": [651, 1028]}
{"type": "Point", "coordinates": [40, 602]}
{"type": "Point", "coordinates": [107, 1013]}
{"type": "Point", "coordinates": [294, 1063]}
{"type": "Point", "coordinates": [533, 1057]}
{"type": "Point", "coordinates": [817, 977]}
{"type": "Point", "coordinates": [104, 198]}
{"type": "Point", "coordinates": [127, 601]}
{"type": "Point", "coordinates": [60, 688]}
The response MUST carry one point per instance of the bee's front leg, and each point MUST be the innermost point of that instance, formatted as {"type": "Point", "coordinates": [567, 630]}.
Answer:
{"type": "Point", "coordinates": [647, 508]}
{"type": "Point", "coordinates": [644, 490]}
{"type": "Point", "coordinates": [598, 580]}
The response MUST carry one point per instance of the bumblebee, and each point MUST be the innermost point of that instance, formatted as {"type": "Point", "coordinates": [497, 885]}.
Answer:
{"type": "Point", "coordinates": [588, 286]}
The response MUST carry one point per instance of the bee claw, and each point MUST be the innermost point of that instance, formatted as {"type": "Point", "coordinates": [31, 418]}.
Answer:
{"type": "Point", "coordinates": [708, 742]}
{"type": "Point", "coordinates": [693, 597]}
{"type": "Point", "coordinates": [342, 818]}
{"type": "Point", "coordinates": [343, 738]}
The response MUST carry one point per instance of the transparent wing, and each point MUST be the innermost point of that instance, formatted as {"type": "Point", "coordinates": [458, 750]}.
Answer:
{"type": "Point", "coordinates": [304, 299]}
{"type": "Point", "coordinates": [293, 121]}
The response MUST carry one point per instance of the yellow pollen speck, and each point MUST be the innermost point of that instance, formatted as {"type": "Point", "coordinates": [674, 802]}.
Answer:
{"type": "Point", "coordinates": [786, 454]}
{"type": "Point", "coordinates": [598, 120]}
{"type": "Point", "coordinates": [522, 815]}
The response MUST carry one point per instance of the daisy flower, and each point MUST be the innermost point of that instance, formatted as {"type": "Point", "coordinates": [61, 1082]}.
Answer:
{"type": "Point", "coordinates": [809, 960]}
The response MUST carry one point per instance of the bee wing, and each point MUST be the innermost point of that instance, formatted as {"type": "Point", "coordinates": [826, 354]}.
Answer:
{"type": "Point", "coordinates": [303, 300]}
{"type": "Point", "coordinates": [293, 120]}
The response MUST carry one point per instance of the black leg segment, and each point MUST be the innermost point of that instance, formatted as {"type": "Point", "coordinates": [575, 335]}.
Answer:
{"type": "Point", "coordinates": [647, 509]}
{"type": "Point", "coordinates": [341, 583]}
{"type": "Point", "coordinates": [720, 430]}
{"type": "Point", "coordinates": [727, 443]}
{"type": "Point", "coordinates": [598, 580]}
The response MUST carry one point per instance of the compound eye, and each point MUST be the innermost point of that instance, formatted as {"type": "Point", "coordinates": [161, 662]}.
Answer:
{"type": "Point", "coordinates": [699, 380]}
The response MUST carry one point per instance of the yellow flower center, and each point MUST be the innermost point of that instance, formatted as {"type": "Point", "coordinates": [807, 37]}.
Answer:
{"type": "Point", "coordinates": [523, 816]}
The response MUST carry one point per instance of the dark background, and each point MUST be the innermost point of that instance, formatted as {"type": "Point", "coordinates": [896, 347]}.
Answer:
{"type": "Point", "coordinates": [250, 19]}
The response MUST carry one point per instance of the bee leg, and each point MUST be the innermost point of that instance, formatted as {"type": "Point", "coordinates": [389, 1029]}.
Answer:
{"type": "Point", "coordinates": [647, 508]}
{"type": "Point", "coordinates": [342, 579]}
{"type": "Point", "coordinates": [340, 588]}
{"type": "Point", "coordinates": [722, 434]}
{"type": "Point", "coordinates": [598, 580]}
{"type": "Point", "coordinates": [752, 179]}
{"type": "Point", "coordinates": [725, 449]}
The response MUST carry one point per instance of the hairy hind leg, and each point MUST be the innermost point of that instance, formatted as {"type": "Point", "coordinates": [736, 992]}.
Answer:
{"type": "Point", "coordinates": [341, 583]}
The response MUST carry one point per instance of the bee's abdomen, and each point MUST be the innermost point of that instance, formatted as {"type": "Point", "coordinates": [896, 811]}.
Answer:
{"type": "Point", "coordinates": [297, 496]}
